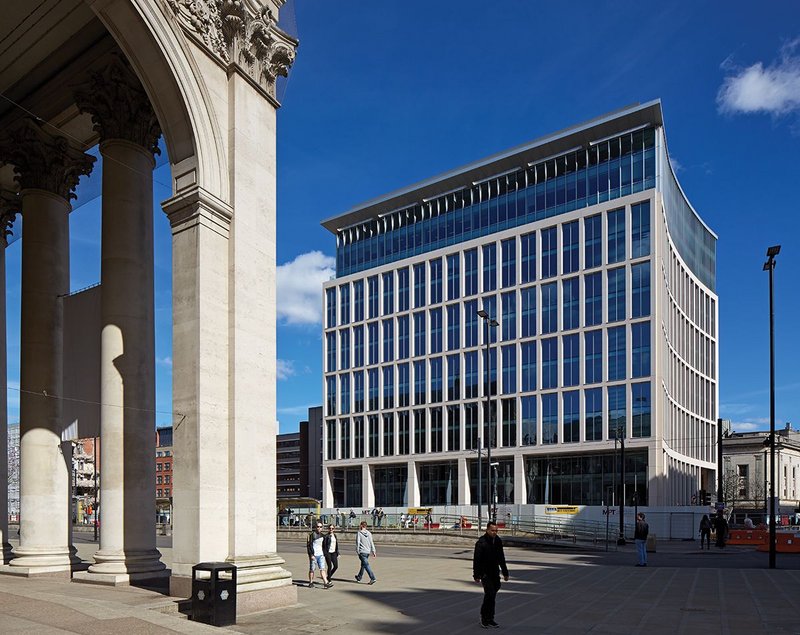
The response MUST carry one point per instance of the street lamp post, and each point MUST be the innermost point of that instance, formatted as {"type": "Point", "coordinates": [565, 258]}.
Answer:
{"type": "Point", "coordinates": [480, 485]}
{"type": "Point", "coordinates": [620, 434]}
{"type": "Point", "coordinates": [493, 467]}
{"type": "Point", "coordinates": [488, 321]}
{"type": "Point", "coordinates": [770, 266]}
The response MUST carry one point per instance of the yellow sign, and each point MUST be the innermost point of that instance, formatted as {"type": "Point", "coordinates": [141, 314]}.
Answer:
{"type": "Point", "coordinates": [420, 511]}
{"type": "Point", "coordinates": [561, 509]}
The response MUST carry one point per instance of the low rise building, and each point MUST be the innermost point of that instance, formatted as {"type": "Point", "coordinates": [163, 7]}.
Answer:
{"type": "Point", "coordinates": [746, 470]}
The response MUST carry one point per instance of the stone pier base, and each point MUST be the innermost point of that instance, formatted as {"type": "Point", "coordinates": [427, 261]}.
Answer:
{"type": "Point", "coordinates": [261, 584]}
{"type": "Point", "coordinates": [120, 579]}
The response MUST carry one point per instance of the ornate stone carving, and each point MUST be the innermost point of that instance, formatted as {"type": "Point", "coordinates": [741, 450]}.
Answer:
{"type": "Point", "coordinates": [10, 206]}
{"type": "Point", "coordinates": [240, 32]}
{"type": "Point", "coordinates": [44, 161]}
{"type": "Point", "coordinates": [118, 104]}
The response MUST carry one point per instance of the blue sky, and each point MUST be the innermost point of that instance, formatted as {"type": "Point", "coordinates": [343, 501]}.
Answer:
{"type": "Point", "coordinates": [385, 93]}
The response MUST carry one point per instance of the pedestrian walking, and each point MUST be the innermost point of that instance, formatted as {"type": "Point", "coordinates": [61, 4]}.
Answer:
{"type": "Point", "coordinates": [721, 527]}
{"type": "Point", "coordinates": [488, 562]}
{"type": "Point", "coordinates": [640, 538]}
{"type": "Point", "coordinates": [316, 557]}
{"type": "Point", "coordinates": [365, 547]}
{"type": "Point", "coordinates": [330, 546]}
{"type": "Point", "coordinates": [705, 531]}
{"type": "Point", "coordinates": [352, 518]}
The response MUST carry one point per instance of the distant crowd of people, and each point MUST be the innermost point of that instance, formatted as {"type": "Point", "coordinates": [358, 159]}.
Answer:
{"type": "Point", "coordinates": [377, 517]}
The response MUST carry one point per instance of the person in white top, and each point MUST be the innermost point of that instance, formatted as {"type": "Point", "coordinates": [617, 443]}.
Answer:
{"type": "Point", "coordinates": [316, 557]}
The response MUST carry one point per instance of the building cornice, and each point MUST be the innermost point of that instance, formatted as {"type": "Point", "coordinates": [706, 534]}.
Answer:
{"type": "Point", "coordinates": [239, 33]}
{"type": "Point", "coordinates": [518, 157]}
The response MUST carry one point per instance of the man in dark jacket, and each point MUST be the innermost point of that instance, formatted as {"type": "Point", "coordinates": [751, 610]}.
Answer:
{"type": "Point", "coordinates": [330, 545]}
{"type": "Point", "coordinates": [721, 527]}
{"type": "Point", "coordinates": [487, 564]}
{"type": "Point", "coordinates": [640, 533]}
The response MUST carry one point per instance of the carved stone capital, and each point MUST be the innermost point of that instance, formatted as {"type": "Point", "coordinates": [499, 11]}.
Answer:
{"type": "Point", "coordinates": [244, 33]}
{"type": "Point", "coordinates": [44, 161]}
{"type": "Point", "coordinates": [10, 206]}
{"type": "Point", "coordinates": [119, 106]}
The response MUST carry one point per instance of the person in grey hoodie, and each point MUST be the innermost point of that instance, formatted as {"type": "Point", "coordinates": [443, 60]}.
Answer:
{"type": "Point", "coordinates": [365, 547]}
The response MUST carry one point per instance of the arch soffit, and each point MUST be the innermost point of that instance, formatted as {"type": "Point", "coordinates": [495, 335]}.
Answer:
{"type": "Point", "coordinates": [160, 55]}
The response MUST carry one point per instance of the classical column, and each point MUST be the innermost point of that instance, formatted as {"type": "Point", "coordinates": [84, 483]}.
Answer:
{"type": "Point", "coordinates": [47, 170]}
{"type": "Point", "coordinates": [129, 133]}
{"type": "Point", "coordinates": [224, 315]}
{"type": "Point", "coordinates": [9, 208]}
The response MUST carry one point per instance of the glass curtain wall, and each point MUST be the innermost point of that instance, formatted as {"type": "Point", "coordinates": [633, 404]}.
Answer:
{"type": "Point", "coordinates": [585, 479]}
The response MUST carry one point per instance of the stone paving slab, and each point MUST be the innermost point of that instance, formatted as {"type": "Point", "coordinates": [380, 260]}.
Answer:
{"type": "Point", "coordinates": [428, 589]}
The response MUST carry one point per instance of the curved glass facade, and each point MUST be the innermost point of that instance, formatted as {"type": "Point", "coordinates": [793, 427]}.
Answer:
{"type": "Point", "coordinates": [696, 244]}
{"type": "Point", "coordinates": [604, 171]}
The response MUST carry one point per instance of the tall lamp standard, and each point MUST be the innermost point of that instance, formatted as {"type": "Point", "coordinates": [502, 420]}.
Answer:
{"type": "Point", "coordinates": [620, 434]}
{"type": "Point", "coordinates": [487, 322]}
{"type": "Point", "coordinates": [770, 266]}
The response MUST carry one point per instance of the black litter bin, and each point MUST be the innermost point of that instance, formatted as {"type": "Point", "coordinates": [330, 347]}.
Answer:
{"type": "Point", "coordinates": [214, 593]}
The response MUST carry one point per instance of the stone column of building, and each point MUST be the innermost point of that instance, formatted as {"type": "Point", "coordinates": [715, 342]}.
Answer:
{"type": "Point", "coordinates": [9, 208]}
{"type": "Point", "coordinates": [367, 487]}
{"type": "Point", "coordinates": [520, 488]}
{"type": "Point", "coordinates": [129, 133]}
{"type": "Point", "coordinates": [464, 493]}
{"type": "Point", "coordinates": [412, 488]}
{"type": "Point", "coordinates": [224, 308]}
{"type": "Point", "coordinates": [47, 170]}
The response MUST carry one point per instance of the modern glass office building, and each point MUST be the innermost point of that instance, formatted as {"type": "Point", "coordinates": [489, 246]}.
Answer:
{"type": "Point", "coordinates": [601, 279]}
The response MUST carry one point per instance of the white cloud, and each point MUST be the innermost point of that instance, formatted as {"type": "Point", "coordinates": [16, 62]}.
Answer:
{"type": "Point", "coordinates": [296, 410]}
{"type": "Point", "coordinates": [300, 287]}
{"type": "Point", "coordinates": [285, 368]}
{"type": "Point", "coordinates": [677, 166]}
{"type": "Point", "coordinates": [772, 89]}
{"type": "Point", "coordinates": [164, 361]}
{"type": "Point", "coordinates": [746, 426]}
{"type": "Point", "coordinates": [751, 424]}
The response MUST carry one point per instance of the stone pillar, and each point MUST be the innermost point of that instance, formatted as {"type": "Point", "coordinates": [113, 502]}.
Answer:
{"type": "Point", "coordinates": [327, 487]}
{"type": "Point", "coordinates": [464, 493]}
{"type": "Point", "coordinates": [368, 487]}
{"type": "Point", "coordinates": [520, 487]}
{"type": "Point", "coordinates": [200, 232]}
{"type": "Point", "coordinates": [224, 314]}
{"type": "Point", "coordinates": [412, 487]}
{"type": "Point", "coordinates": [9, 207]}
{"type": "Point", "coordinates": [129, 134]}
{"type": "Point", "coordinates": [47, 169]}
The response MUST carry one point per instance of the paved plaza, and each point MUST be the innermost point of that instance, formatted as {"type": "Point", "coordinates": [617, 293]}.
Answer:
{"type": "Point", "coordinates": [428, 589]}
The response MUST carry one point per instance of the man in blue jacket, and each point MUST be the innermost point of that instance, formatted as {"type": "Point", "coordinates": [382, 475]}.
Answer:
{"type": "Point", "coordinates": [488, 562]}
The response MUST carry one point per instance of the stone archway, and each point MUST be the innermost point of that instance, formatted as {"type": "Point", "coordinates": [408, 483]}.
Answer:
{"type": "Point", "coordinates": [209, 70]}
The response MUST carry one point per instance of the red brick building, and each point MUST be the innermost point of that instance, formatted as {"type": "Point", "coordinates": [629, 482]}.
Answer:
{"type": "Point", "coordinates": [164, 478]}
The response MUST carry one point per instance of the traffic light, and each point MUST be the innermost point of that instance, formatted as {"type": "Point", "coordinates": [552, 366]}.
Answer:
{"type": "Point", "coordinates": [706, 498]}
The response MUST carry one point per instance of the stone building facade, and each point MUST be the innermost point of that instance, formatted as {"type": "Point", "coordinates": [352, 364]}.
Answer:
{"type": "Point", "coordinates": [121, 74]}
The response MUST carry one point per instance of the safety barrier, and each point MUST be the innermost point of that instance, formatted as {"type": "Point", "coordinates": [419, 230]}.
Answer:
{"type": "Point", "coordinates": [784, 542]}
{"type": "Point", "coordinates": [747, 537]}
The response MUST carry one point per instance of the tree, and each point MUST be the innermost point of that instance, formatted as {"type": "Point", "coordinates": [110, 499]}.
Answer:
{"type": "Point", "coordinates": [730, 487]}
